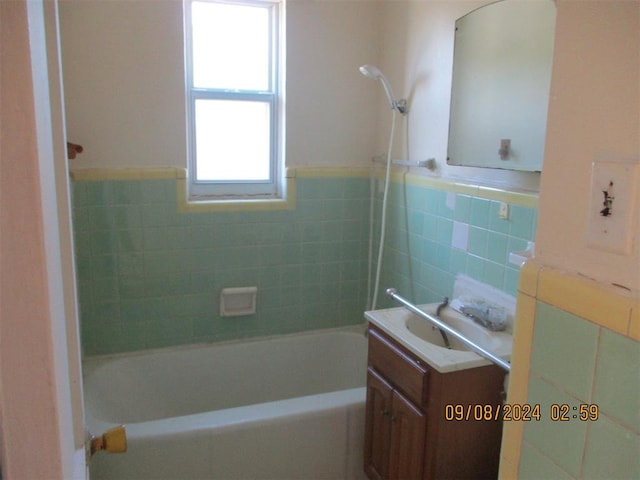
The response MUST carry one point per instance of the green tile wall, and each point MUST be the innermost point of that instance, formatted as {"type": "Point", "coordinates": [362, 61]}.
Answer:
{"type": "Point", "coordinates": [420, 261]}
{"type": "Point", "coordinates": [150, 276]}
{"type": "Point", "coordinates": [577, 362]}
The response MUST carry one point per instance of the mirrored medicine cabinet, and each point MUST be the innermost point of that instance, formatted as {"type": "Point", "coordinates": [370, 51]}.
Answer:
{"type": "Point", "coordinates": [500, 88]}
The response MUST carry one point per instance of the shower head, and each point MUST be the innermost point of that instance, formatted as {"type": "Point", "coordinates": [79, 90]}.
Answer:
{"type": "Point", "coordinates": [371, 71]}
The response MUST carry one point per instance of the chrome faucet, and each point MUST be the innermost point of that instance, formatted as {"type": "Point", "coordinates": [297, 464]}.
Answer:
{"type": "Point", "coordinates": [489, 317]}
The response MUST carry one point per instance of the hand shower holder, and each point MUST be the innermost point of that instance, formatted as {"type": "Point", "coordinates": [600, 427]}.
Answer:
{"type": "Point", "coordinates": [401, 106]}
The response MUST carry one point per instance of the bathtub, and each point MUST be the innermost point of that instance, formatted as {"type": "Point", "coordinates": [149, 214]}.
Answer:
{"type": "Point", "coordinates": [288, 407]}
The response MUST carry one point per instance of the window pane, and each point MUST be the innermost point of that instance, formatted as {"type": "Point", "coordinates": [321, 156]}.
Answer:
{"type": "Point", "coordinates": [232, 140]}
{"type": "Point", "coordinates": [230, 46]}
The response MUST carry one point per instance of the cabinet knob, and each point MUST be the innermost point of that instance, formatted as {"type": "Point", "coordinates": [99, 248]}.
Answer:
{"type": "Point", "coordinates": [388, 414]}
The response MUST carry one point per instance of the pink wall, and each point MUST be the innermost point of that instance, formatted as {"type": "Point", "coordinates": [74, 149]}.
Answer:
{"type": "Point", "coordinates": [36, 428]}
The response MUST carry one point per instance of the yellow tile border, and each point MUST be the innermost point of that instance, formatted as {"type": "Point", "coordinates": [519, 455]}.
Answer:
{"type": "Point", "coordinates": [152, 173]}
{"type": "Point", "coordinates": [523, 341]}
{"type": "Point", "coordinates": [528, 281]}
{"type": "Point", "coordinates": [600, 303]}
{"type": "Point", "coordinates": [106, 174]}
{"type": "Point", "coordinates": [526, 199]}
{"type": "Point", "coordinates": [634, 322]}
{"type": "Point", "coordinates": [262, 205]}
{"type": "Point", "coordinates": [594, 301]}
{"type": "Point", "coordinates": [518, 385]}
{"type": "Point", "coordinates": [522, 198]}
{"type": "Point", "coordinates": [287, 203]}
{"type": "Point", "coordinates": [508, 469]}
{"type": "Point", "coordinates": [324, 172]}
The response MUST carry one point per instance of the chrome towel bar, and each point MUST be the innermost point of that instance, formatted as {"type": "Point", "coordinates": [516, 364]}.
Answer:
{"type": "Point", "coordinates": [430, 163]}
{"type": "Point", "coordinates": [391, 293]}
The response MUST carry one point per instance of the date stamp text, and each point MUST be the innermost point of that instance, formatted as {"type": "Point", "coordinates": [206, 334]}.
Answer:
{"type": "Point", "coordinates": [524, 412]}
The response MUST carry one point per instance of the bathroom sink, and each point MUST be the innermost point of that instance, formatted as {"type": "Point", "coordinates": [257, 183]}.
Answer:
{"type": "Point", "coordinates": [425, 340]}
{"type": "Point", "coordinates": [430, 333]}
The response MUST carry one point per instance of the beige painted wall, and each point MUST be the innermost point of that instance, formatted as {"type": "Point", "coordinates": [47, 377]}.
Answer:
{"type": "Point", "coordinates": [124, 82]}
{"type": "Point", "coordinates": [594, 110]}
{"type": "Point", "coordinates": [417, 56]}
{"type": "Point", "coordinates": [594, 113]}
{"type": "Point", "coordinates": [122, 65]}
{"type": "Point", "coordinates": [331, 107]}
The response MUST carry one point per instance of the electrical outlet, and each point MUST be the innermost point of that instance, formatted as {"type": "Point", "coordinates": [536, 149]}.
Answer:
{"type": "Point", "coordinates": [503, 211]}
{"type": "Point", "coordinates": [611, 206]}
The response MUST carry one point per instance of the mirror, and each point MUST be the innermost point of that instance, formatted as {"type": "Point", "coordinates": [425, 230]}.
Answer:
{"type": "Point", "coordinates": [500, 88]}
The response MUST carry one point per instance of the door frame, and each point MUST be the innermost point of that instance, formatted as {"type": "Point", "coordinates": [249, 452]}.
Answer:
{"type": "Point", "coordinates": [41, 415]}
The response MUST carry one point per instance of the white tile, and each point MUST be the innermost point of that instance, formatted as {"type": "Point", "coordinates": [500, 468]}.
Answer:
{"type": "Point", "coordinates": [460, 237]}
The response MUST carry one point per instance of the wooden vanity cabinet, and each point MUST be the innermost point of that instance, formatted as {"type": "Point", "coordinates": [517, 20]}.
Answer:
{"type": "Point", "coordinates": [407, 434]}
{"type": "Point", "coordinates": [395, 434]}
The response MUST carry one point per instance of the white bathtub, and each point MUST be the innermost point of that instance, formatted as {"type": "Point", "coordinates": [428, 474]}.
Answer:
{"type": "Point", "coordinates": [289, 407]}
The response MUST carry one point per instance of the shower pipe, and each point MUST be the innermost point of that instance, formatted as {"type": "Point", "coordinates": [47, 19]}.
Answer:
{"type": "Point", "coordinates": [391, 293]}
{"type": "Point", "coordinates": [373, 72]}
{"type": "Point", "coordinates": [383, 220]}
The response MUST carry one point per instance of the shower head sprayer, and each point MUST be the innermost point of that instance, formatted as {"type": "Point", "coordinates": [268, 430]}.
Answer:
{"type": "Point", "coordinates": [371, 71]}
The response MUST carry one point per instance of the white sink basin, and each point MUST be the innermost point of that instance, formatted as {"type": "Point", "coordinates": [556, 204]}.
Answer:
{"type": "Point", "coordinates": [477, 334]}
{"type": "Point", "coordinates": [425, 340]}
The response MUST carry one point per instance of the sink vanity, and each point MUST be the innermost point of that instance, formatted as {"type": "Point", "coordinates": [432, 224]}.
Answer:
{"type": "Point", "coordinates": [424, 400]}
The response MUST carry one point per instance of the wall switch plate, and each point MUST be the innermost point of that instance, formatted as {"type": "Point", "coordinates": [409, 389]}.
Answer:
{"type": "Point", "coordinates": [612, 218]}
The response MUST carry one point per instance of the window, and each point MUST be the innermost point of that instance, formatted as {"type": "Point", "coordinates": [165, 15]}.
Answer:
{"type": "Point", "coordinates": [234, 120]}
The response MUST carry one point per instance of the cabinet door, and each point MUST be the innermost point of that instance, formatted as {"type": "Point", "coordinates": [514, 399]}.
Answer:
{"type": "Point", "coordinates": [377, 426]}
{"type": "Point", "coordinates": [408, 430]}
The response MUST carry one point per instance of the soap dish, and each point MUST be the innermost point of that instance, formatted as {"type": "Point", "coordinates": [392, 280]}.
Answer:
{"type": "Point", "coordinates": [238, 301]}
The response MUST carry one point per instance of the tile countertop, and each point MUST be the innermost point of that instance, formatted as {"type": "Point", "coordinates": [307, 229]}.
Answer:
{"type": "Point", "coordinates": [392, 322]}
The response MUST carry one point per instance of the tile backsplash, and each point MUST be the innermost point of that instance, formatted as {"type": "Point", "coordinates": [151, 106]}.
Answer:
{"type": "Point", "coordinates": [150, 276]}
{"type": "Point", "coordinates": [576, 363]}
{"type": "Point", "coordinates": [435, 234]}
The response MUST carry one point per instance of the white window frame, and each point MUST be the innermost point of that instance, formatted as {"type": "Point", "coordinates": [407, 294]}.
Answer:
{"type": "Point", "coordinates": [240, 189]}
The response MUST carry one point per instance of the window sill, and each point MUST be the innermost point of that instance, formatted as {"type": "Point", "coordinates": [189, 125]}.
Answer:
{"type": "Point", "coordinates": [193, 205]}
